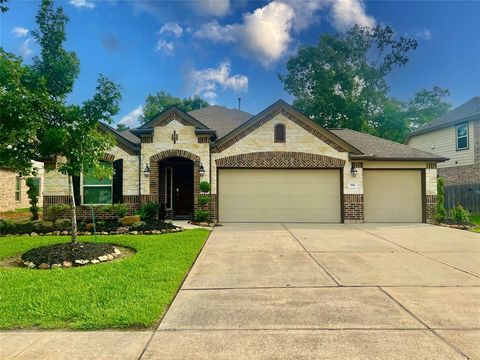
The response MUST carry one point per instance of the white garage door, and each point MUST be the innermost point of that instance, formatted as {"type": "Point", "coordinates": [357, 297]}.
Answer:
{"type": "Point", "coordinates": [267, 195]}
{"type": "Point", "coordinates": [393, 195]}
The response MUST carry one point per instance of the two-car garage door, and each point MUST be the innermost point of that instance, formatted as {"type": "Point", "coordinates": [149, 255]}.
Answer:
{"type": "Point", "coordinates": [277, 195]}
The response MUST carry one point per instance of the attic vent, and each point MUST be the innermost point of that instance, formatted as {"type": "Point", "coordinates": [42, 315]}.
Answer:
{"type": "Point", "coordinates": [279, 133]}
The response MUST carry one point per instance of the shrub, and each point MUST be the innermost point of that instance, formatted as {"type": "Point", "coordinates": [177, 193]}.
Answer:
{"type": "Point", "coordinates": [6, 226]}
{"type": "Point", "coordinates": [119, 210]}
{"type": "Point", "coordinates": [55, 212]}
{"type": "Point", "coordinates": [43, 226]}
{"type": "Point", "coordinates": [138, 225]}
{"type": "Point", "coordinates": [129, 220]}
{"type": "Point", "coordinates": [32, 193]}
{"type": "Point", "coordinates": [205, 187]}
{"type": "Point", "coordinates": [203, 200]}
{"type": "Point", "coordinates": [62, 225]}
{"type": "Point", "coordinates": [459, 215]}
{"type": "Point", "coordinates": [202, 215]}
{"type": "Point", "coordinates": [440, 213]}
{"type": "Point", "coordinates": [149, 211]}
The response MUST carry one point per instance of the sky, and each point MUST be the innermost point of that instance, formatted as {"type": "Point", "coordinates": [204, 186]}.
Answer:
{"type": "Point", "coordinates": [225, 49]}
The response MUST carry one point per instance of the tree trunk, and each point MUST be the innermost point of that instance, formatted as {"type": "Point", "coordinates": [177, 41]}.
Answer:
{"type": "Point", "coordinates": [74, 209]}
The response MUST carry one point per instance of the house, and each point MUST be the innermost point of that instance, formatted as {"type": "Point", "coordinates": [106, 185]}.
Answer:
{"type": "Point", "coordinates": [276, 166]}
{"type": "Point", "coordinates": [455, 135]}
{"type": "Point", "coordinates": [13, 189]}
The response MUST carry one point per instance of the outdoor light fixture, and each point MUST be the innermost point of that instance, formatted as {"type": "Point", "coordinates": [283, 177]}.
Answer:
{"type": "Point", "coordinates": [353, 171]}
{"type": "Point", "coordinates": [201, 170]}
{"type": "Point", "coordinates": [146, 170]}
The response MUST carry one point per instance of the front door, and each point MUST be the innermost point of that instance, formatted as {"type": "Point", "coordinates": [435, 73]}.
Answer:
{"type": "Point", "coordinates": [183, 190]}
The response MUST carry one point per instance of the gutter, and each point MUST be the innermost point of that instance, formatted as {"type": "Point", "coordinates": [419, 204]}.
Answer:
{"type": "Point", "coordinates": [377, 158]}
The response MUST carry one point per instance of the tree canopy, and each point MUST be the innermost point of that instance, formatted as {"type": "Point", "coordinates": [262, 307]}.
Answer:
{"type": "Point", "coordinates": [156, 103]}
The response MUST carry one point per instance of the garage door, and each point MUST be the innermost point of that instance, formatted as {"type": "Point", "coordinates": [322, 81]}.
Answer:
{"type": "Point", "coordinates": [267, 195]}
{"type": "Point", "coordinates": [393, 195]}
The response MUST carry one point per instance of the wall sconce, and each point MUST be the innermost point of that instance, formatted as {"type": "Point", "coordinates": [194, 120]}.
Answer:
{"type": "Point", "coordinates": [201, 170]}
{"type": "Point", "coordinates": [353, 171]}
{"type": "Point", "coordinates": [146, 170]}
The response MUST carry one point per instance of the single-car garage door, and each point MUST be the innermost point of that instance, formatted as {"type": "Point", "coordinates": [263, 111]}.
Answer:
{"type": "Point", "coordinates": [274, 195]}
{"type": "Point", "coordinates": [393, 195]}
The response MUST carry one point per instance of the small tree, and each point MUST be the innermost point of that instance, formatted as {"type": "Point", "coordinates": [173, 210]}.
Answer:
{"type": "Point", "coordinates": [440, 212]}
{"type": "Point", "coordinates": [32, 193]}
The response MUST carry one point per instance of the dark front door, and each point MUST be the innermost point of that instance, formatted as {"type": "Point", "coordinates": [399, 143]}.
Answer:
{"type": "Point", "coordinates": [183, 190]}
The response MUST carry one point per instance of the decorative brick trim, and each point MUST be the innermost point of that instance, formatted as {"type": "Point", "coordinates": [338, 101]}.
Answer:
{"type": "Point", "coordinates": [170, 118]}
{"type": "Point", "coordinates": [280, 159]}
{"type": "Point", "coordinates": [353, 207]}
{"type": "Point", "coordinates": [431, 165]}
{"type": "Point", "coordinates": [213, 207]}
{"type": "Point", "coordinates": [357, 164]}
{"type": "Point", "coordinates": [125, 148]}
{"type": "Point", "coordinates": [279, 110]}
{"type": "Point", "coordinates": [430, 208]}
{"type": "Point", "coordinates": [108, 157]}
{"type": "Point", "coordinates": [56, 199]}
{"type": "Point", "coordinates": [146, 139]}
{"type": "Point", "coordinates": [204, 139]}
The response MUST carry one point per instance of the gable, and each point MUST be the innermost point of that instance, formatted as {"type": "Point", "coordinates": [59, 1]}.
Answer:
{"type": "Point", "coordinates": [281, 108]}
{"type": "Point", "coordinates": [171, 114]}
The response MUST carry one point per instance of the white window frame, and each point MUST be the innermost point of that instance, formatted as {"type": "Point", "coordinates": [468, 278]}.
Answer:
{"type": "Point", "coordinates": [171, 188]}
{"type": "Point", "coordinates": [18, 180]}
{"type": "Point", "coordinates": [465, 136]}
{"type": "Point", "coordinates": [82, 184]}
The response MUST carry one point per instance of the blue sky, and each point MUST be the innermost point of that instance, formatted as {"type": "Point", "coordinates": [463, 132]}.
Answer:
{"type": "Point", "coordinates": [222, 49]}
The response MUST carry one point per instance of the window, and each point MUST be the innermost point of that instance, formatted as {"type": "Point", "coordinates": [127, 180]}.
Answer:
{"type": "Point", "coordinates": [462, 136]}
{"type": "Point", "coordinates": [168, 187]}
{"type": "Point", "coordinates": [18, 188]}
{"type": "Point", "coordinates": [97, 191]}
{"type": "Point", "coordinates": [279, 133]}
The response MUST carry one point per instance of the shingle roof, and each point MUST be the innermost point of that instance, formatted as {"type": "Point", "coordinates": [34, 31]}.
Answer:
{"type": "Point", "coordinates": [130, 137]}
{"type": "Point", "coordinates": [375, 148]}
{"type": "Point", "coordinates": [465, 112]}
{"type": "Point", "coordinates": [220, 119]}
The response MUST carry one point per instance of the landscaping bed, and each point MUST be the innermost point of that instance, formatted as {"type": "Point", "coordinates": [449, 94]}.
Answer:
{"type": "Point", "coordinates": [132, 293]}
{"type": "Point", "coordinates": [68, 255]}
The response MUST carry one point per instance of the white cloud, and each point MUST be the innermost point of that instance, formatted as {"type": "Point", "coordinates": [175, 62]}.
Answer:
{"type": "Point", "coordinates": [346, 13]}
{"type": "Point", "coordinates": [264, 34]}
{"type": "Point", "coordinates": [171, 28]}
{"type": "Point", "coordinates": [216, 8]}
{"type": "Point", "coordinates": [25, 49]}
{"type": "Point", "coordinates": [82, 4]}
{"type": "Point", "coordinates": [131, 119]}
{"type": "Point", "coordinates": [425, 34]}
{"type": "Point", "coordinates": [206, 82]}
{"type": "Point", "coordinates": [19, 31]}
{"type": "Point", "coordinates": [165, 47]}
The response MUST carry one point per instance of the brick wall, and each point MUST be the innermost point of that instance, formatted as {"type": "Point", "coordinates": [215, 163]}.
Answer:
{"type": "Point", "coordinates": [7, 189]}
{"type": "Point", "coordinates": [430, 208]}
{"type": "Point", "coordinates": [353, 207]}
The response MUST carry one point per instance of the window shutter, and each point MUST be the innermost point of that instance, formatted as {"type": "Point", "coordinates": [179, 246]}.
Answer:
{"type": "Point", "coordinates": [118, 181]}
{"type": "Point", "coordinates": [76, 190]}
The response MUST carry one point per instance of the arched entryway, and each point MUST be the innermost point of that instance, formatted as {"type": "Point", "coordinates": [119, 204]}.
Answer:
{"type": "Point", "coordinates": [174, 182]}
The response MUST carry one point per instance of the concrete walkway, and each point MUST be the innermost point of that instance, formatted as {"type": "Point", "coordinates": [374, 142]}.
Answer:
{"type": "Point", "coordinates": [304, 291]}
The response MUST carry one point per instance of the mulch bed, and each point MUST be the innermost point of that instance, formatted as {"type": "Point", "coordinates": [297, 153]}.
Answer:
{"type": "Point", "coordinates": [69, 253]}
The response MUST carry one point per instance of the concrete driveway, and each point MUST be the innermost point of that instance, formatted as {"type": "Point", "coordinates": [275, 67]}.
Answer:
{"type": "Point", "coordinates": [291, 291]}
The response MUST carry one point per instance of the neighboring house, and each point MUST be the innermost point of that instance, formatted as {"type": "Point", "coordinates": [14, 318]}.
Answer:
{"type": "Point", "coordinates": [13, 189]}
{"type": "Point", "coordinates": [455, 135]}
{"type": "Point", "coordinates": [276, 166]}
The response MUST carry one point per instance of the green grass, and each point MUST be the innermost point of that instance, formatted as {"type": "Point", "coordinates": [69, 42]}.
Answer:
{"type": "Point", "coordinates": [133, 292]}
{"type": "Point", "coordinates": [475, 218]}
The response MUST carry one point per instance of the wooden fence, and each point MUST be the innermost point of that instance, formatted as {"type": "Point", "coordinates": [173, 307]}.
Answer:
{"type": "Point", "coordinates": [466, 195]}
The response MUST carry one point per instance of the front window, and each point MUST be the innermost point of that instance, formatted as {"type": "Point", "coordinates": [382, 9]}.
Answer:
{"type": "Point", "coordinates": [97, 191]}
{"type": "Point", "coordinates": [18, 188]}
{"type": "Point", "coordinates": [462, 136]}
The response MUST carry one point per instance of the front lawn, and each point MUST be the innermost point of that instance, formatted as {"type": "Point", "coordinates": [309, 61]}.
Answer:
{"type": "Point", "coordinates": [133, 292]}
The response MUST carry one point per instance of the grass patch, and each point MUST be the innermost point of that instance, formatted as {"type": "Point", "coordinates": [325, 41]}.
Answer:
{"type": "Point", "coordinates": [475, 218]}
{"type": "Point", "coordinates": [130, 293]}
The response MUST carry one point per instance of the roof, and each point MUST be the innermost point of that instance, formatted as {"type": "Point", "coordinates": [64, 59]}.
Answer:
{"type": "Point", "coordinates": [375, 148]}
{"type": "Point", "coordinates": [465, 112]}
{"type": "Point", "coordinates": [220, 119]}
{"type": "Point", "coordinates": [130, 137]}
{"type": "Point", "coordinates": [126, 140]}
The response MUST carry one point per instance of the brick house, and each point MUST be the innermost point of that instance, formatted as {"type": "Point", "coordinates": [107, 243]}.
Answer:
{"type": "Point", "coordinates": [455, 135]}
{"type": "Point", "coordinates": [276, 166]}
{"type": "Point", "coordinates": [13, 189]}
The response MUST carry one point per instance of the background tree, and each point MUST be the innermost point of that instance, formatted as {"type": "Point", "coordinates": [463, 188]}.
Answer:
{"type": "Point", "coordinates": [3, 6]}
{"type": "Point", "coordinates": [426, 105]}
{"type": "Point", "coordinates": [122, 127]}
{"type": "Point", "coordinates": [341, 82]}
{"type": "Point", "coordinates": [156, 103]}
